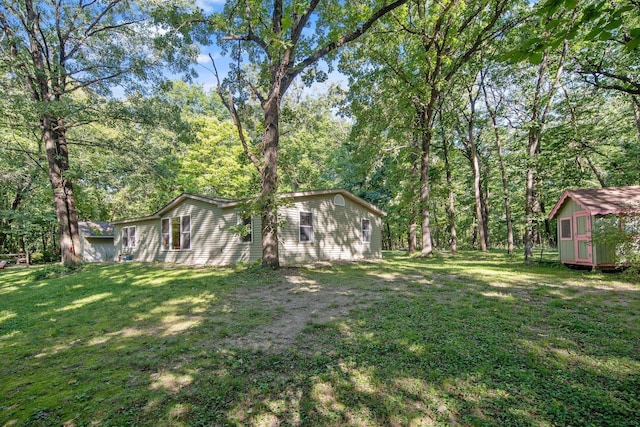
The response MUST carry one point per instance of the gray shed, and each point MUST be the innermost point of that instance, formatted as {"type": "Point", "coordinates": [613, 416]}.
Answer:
{"type": "Point", "coordinates": [96, 240]}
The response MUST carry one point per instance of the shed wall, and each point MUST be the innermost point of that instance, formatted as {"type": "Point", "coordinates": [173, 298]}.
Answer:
{"type": "Point", "coordinates": [566, 249]}
{"type": "Point", "coordinates": [97, 249]}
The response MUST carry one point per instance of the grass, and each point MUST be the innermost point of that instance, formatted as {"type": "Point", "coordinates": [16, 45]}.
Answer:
{"type": "Point", "coordinates": [470, 339]}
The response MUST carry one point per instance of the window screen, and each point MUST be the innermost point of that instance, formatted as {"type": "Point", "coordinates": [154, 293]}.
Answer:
{"type": "Point", "coordinates": [306, 227]}
{"type": "Point", "coordinates": [565, 228]}
{"type": "Point", "coordinates": [366, 230]}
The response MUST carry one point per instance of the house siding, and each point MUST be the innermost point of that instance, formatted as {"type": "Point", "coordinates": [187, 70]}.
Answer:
{"type": "Point", "coordinates": [212, 241]}
{"type": "Point", "coordinates": [337, 231]}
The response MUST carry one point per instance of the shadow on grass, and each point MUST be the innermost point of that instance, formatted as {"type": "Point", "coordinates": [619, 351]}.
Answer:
{"type": "Point", "coordinates": [466, 340]}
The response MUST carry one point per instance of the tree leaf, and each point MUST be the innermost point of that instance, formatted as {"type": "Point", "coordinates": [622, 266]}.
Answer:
{"type": "Point", "coordinates": [632, 44]}
{"type": "Point", "coordinates": [570, 4]}
{"type": "Point", "coordinates": [535, 58]}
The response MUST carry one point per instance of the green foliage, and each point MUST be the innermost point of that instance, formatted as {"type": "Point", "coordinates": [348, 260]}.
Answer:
{"type": "Point", "coordinates": [312, 136]}
{"type": "Point", "coordinates": [621, 235]}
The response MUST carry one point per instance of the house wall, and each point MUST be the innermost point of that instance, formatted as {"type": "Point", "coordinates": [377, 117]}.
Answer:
{"type": "Point", "coordinates": [212, 241]}
{"type": "Point", "coordinates": [97, 249]}
{"type": "Point", "coordinates": [337, 231]}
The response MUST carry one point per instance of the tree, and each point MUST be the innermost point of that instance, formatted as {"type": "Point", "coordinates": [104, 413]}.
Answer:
{"type": "Point", "coordinates": [281, 40]}
{"type": "Point", "coordinates": [430, 45]}
{"type": "Point", "coordinates": [61, 54]}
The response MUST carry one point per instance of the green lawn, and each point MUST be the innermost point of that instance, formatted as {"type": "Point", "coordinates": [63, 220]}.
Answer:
{"type": "Point", "coordinates": [466, 340]}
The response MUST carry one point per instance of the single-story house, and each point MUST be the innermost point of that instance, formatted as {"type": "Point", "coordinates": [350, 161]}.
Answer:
{"type": "Point", "coordinates": [96, 241]}
{"type": "Point", "coordinates": [314, 225]}
{"type": "Point", "coordinates": [578, 211]}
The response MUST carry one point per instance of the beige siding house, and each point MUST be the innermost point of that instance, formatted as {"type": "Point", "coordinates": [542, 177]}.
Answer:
{"type": "Point", "coordinates": [316, 225]}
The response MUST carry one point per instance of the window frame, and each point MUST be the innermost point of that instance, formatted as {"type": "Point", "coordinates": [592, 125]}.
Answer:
{"type": "Point", "coordinates": [129, 231]}
{"type": "Point", "coordinates": [562, 229]}
{"type": "Point", "coordinates": [166, 247]}
{"type": "Point", "coordinates": [181, 234]}
{"type": "Point", "coordinates": [309, 227]}
{"type": "Point", "coordinates": [362, 230]}
{"type": "Point", "coordinates": [243, 221]}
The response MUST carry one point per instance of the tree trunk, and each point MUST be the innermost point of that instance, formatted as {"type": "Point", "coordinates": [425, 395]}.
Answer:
{"type": "Point", "coordinates": [485, 207]}
{"type": "Point", "coordinates": [269, 180]}
{"type": "Point", "coordinates": [451, 207]}
{"type": "Point", "coordinates": [389, 237]}
{"type": "Point", "coordinates": [53, 134]}
{"type": "Point", "coordinates": [477, 173]}
{"type": "Point", "coordinates": [477, 189]}
{"type": "Point", "coordinates": [427, 247]}
{"type": "Point", "coordinates": [540, 109]}
{"type": "Point", "coordinates": [503, 171]}
{"type": "Point", "coordinates": [425, 119]}
{"type": "Point", "coordinates": [412, 237]}
{"type": "Point", "coordinates": [636, 112]}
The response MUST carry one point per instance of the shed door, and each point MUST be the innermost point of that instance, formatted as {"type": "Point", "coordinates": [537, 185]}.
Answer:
{"type": "Point", "coordinates": [582, 237]}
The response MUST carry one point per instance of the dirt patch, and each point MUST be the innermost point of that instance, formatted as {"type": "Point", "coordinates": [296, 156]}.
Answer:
{"type": "Point", "coordinates": [299, 301]}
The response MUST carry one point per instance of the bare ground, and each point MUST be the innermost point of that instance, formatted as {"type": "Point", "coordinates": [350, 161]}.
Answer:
{"type": "Point", "coordinates": [299, 301]}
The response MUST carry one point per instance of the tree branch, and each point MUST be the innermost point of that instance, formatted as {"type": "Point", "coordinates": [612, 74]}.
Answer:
{"type": "Point", "coordinates": [235, 117]}
{"type": "Point", "coordinates": [332, 46]}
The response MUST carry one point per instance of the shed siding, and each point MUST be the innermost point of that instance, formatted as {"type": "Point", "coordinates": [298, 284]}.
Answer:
{"type": "Point", "coordinates": [212, 241]}
{"type": "Point", "coordinates": [97, 249]}
{"type": "Point", "coordinates": [337, 231]}
{"type": "Point", "coordinates": [566, 249]}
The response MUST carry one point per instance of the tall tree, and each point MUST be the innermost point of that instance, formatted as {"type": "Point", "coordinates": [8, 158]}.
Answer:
{"type": "Point", "coordinates": [493, 104]}
{"type": "Point", "coordinates": [282, 40]}
{"type": "Point", "coordinates": [61, 53]}
{"type": "Point", "coordinates": [439, 39]}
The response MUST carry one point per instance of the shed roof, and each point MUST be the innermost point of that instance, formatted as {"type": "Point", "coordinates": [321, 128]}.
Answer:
{"type": "Point", "coordinates": [602, 201]}
{"type": "Point", "coordinates": [96, 229]}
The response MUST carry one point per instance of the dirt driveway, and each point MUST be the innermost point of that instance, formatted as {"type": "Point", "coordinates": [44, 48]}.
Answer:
{"type": "Point", "coordinates": [298, 301]}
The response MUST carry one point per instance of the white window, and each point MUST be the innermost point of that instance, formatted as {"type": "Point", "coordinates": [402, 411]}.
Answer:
{"type": "Point", "coordinates": [176, 233]}
{"type": "Point", "coordinates": [129, 237]}
{"type": "Point", "coordinates": [306, 227]}
{"type": "Point", "coordinates": [338, 200]}
{"type": "Point", "coordinates": [247, 234]}
{"type": "Point", "coordinates": [366, 230]}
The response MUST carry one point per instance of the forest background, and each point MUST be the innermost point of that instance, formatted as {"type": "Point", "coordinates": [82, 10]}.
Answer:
{"type": "Point", "coordinates": [464, 121]}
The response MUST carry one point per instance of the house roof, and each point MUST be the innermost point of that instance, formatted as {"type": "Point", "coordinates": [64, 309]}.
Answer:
{"type": "Point", "coordinates": [301, 194]}
{"type": "Point", "coordinates": [602, 201]}
{"type": "Point", "coordinates": [216, 201]}
{"type": "Point", "coordinates": [91, 229]}
{"type": "Point", "coordinates": [226, 203]}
